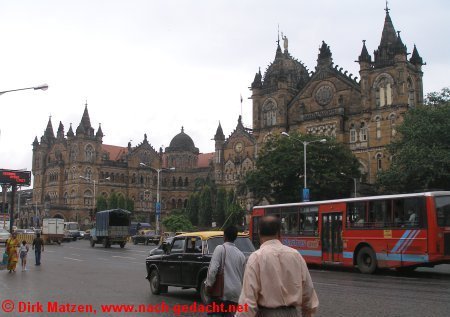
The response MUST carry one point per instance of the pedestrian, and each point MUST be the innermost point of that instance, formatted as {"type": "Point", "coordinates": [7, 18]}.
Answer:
{"type": "Point", "coordinates": [23, 251]}
{"type": "Point", "coordinates": [11, 249]}
{"type": "Point", "coordinates": [277, 282]}
{"type": "Point", "coordinates": [231, 260]}
{"type": "Point", "coordinates": [38, 247]}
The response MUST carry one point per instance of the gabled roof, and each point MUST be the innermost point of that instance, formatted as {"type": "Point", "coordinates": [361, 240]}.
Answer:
{"type": "Point", "coordinates": [115, 152]}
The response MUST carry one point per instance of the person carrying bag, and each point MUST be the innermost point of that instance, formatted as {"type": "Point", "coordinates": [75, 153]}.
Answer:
{"type": "Point", "coordinates": [225, 274]}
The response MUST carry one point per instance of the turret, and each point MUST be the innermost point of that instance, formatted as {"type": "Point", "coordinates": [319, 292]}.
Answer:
{"type": "Point", "coordinates": [99, 134]}
{"type": "Point", "coordinates": [70, 133]}
{"type": "Point", "coordinates": [324, 59]}
{"type": "Point", "coordinates": [60, 133]}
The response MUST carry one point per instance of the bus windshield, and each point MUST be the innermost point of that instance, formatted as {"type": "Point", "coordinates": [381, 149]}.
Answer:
{"type": "Point", "coordinates": [443, 211]}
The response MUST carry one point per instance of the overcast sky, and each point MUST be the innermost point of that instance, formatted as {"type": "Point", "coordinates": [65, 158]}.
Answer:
{"type": "Point", "coordinates": [154, 66]}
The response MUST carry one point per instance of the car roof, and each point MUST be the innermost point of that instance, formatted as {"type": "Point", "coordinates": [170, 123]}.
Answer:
{"type": "Point", "coordinates": [204, 235]}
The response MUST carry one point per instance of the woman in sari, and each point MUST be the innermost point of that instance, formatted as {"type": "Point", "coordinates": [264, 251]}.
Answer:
{"type": "Point", "coordinates": [11, 250]}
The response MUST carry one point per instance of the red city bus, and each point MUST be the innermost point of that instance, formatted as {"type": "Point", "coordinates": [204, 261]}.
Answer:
{"type": "Point", "coordinates": [392, 231]}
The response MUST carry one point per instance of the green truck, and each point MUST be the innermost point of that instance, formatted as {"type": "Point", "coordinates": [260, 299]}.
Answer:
{"type": "Point", "coordinates": [111, 227]}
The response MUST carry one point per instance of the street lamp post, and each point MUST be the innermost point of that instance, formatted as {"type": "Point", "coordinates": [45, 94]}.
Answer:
{"type": "Point", "coordinates": [305, 143]}
{"type": "Point", "coordinates": [40, 87]}
{"type": "Point", "coordinates": [354, 181]}
{"type": "Point", "coordinates": [158, 201]}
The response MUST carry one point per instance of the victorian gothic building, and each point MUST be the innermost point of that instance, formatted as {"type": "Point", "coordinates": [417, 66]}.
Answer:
{"type": "Point", "coordinates": [361, 113]}
{"type": "Point", "coordinates": [71, 169]}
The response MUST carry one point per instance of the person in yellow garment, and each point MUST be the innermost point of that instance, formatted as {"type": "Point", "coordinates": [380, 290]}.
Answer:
{"type": "Point", "coordinates": [277, 282]}
{"type": "Point", "coordinates": [11, 249]}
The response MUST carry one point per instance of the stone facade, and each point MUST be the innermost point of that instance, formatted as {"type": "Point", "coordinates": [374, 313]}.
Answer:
{"type": "Point", "coordinates": [70, 170]}
{"type": "Point", "coordinates": [363, 114]}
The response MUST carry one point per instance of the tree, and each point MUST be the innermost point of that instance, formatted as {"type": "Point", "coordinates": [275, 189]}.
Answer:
{"type": "Point", "coordinates": [192, 208]}
{"type": "Point", "coordinates": [121, 202]}
{"type": "Point", "coordinates": [177, 223]}
{"type": "Point", "coordinates": [102, 204]}
{"type": "Point", "coordinates": [233, 211]}
{"type": "Point", "coordinates": [279, 169]}
{"type": "Point", "coordinates": [112, 201]}
{"type": "Point", "coordinates": [205, 207]}
{"type": "Point", "coordinates": [219, 210]}
{"type": "Point", "coordinates": [421, 153]}
{"type": "Point", "coordinates": [129, 204]}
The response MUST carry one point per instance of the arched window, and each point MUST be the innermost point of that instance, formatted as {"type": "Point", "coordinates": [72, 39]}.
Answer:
{"type": "Point", "coordinates": [88, 198]}
{"type": "Point", "coordinates": [88, 173]}
{"type": "Point", "coordinates": [179, 204]}
{"type": "Point", "coordinates": [66, 198]}
{"type": "Point", "coordinates": [378, 123]}
{"type": "Point", "coordinates": [352, 133]}
{"type": "Point", "coordinates": [392, 120]}
{"type": "Point", "coordinates": [383, 90]}
{"type": "Point", "coordinates": [174, 182]}
{"type": "Point", "coordinates": [185, 203]}
{"type": "Point", "coordinates": [363, 132]}
{"type": "Point", "coordinates": [269, 112]}
{"type": "Point", "coordinates": [379, 157]}
{"type": "Point", "coordinates": [186, 182]}
{"type": "Point", "coordinates": [89, 153]}
{"type": "Point", "coordinates": [180, 182]}
{"type": "Point", "coordinates": [174, 204]}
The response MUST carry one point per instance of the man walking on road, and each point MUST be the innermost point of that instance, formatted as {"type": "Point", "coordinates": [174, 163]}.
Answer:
{"type": "Point", "coordinates": [277, 282]}
{"type": "Point", "coordinates": [38, 247]}
{"type": "Point", "coordinates": [233, 261]}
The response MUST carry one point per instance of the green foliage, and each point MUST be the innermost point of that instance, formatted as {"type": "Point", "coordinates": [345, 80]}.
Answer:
{"type": "Point", "coordinates": [102, 204]}
{"type": "Point", "coordinates": [280, 169]}
{"type": "Point", "coordinates": [177, 223]}
{"type": "Point", "coordinates": [193, 206]}
{"type": "Point", "coordinates": [233, 211]}
{"type": "Point", "coordinates": [219, 210]}
{"type": "Point", "coordinates": [121, 202]}
{"type": "Point", "coordinates": [438, 98]}
{"type": "Point", "coordinates": [112, 201]}
{"type": "Point", "coordinates": [205, 207]}
{"type": "Point", "coordinates": [421, 153]}
{"type": "Point", "coordinates": [129, 204]}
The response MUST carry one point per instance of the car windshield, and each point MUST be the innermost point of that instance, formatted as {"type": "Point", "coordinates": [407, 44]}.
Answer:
{"type": "Point", "coordinates": [242, 243]}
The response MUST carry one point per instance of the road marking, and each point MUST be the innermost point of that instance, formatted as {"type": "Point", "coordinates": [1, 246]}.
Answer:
{"type": "Point", "coordinates": [49, 251]}
{"type": "Point", "coordinates": [75, 254]}
{"type": "Point", "coordinates": [73, 259]}
{"type": "Point", "coordinates": [123, 257]}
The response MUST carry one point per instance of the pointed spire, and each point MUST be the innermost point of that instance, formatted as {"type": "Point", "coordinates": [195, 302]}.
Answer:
{"type": "Point", "coordinates": [278, 54]}
{"type": "Point", "coordinates": [60, 133]}
{"type": "Point", "coordinates": [257, 82]}
{"type": "Point", "coordinates": [364, 57]}
{"type": "Point", "coordinates": [35, 142]}
{"type": "Point", "coordinates": [415, 58]}
{"type": "Point", "coordinates": [182, 129]}
{"type": "Point", "coordinates": [99, 133]}
{"type": "Point", "coordinates": [219, 133]}
{"type": "Point", "coordinates": [388, 36]}
{"type": "Point", "coordinates": [85, 124]}
{"type": "Point", "coordinates": [49, 134]}
{"type": "Point", "coordinates": [400, 48]}
{"type": "Point", "coordinates": [70, 132]}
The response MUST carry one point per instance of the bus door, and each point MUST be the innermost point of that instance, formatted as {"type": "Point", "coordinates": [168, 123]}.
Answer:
{"type": "Point", "coordinates": [331, 235]}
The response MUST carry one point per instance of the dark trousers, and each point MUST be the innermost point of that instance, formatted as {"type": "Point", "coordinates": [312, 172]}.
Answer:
{"type": "Point", "coordinates": [37, 255]}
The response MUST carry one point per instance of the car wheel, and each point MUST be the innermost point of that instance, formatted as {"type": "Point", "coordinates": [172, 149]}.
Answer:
{"type": "Point", "coordinates": [146, 242]}
{"type": "Point", "coordinates": [105, 243]}
{"type": "Point", "coordinates": [202, 292]}
{"type": "Point", "coordinates": [155, 286]}
{"type": "Point", "coordinates": [135, 241]}
{"type": "Point", "coordinates": [122, 245]}
{"type": "Point", "coordinates": [366, 260]}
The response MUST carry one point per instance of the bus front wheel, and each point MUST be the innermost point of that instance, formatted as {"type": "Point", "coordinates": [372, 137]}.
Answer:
{"type": "Point", "coordinates": [366, 260]}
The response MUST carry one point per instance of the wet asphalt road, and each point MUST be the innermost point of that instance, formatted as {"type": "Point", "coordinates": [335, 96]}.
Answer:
{"type": "Point", "coordinates": [75, 273]}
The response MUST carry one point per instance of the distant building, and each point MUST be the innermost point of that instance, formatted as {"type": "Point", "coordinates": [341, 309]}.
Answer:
{"type": "Point", "coordinates": [70, 169]}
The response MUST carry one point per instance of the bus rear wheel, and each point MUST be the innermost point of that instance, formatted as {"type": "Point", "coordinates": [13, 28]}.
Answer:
{"type": "Point", "coordinates": [366, 260]}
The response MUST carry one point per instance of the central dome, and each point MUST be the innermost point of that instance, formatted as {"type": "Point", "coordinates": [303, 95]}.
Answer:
{"type": "Point", "coordinates": [182, 142]}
